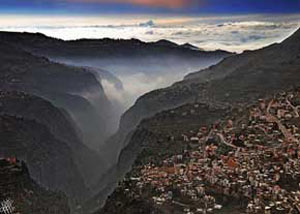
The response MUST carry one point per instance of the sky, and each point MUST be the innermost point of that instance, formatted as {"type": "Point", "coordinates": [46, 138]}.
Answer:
{"type": "Point", "coordinates": [149, 6]}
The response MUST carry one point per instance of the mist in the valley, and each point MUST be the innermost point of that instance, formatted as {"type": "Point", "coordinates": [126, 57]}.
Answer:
{"type": "Point", "coordinates": [139, 78]}
{"type": "Point", "coordinates": [124, 80]}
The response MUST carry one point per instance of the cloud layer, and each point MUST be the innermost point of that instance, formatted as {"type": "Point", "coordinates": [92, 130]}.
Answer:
{"type": "Point", "coordinates": [232, 33]}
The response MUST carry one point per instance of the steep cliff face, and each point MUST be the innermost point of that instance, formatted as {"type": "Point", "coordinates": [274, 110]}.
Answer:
{"type": "Point", "coordinates": [49, 160]}
{"type": "Point", "coordinates": [59, 123]}
{"type": "Point", "coordinates": [74, 89]}
{"type": "Point", "coordinates": [237, 79]}
{"type": "Point", "coordinates": [25, 195]}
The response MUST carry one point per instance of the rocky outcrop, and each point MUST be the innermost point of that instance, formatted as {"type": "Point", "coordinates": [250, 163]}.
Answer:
{"type": "Point", "coordinates": [23, 195]}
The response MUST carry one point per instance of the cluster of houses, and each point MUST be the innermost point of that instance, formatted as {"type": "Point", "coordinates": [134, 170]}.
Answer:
{"type": "Point", "coordinates": [253, 159]}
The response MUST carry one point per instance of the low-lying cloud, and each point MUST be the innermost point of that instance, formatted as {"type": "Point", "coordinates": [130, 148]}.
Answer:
{"type": "Point", "coordinates": [232, 33]}
{"type": "Point", "coordinates": [136, 85]}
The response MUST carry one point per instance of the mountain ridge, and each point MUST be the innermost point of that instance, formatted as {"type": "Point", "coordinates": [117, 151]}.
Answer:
{"type": "Point", "coordinates": [36, 41]}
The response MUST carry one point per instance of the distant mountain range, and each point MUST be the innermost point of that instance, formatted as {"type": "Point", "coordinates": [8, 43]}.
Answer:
{"type": "Point", "coordinates": [100, 48]}
{"type": "Point", "coordinates": [117, 57]}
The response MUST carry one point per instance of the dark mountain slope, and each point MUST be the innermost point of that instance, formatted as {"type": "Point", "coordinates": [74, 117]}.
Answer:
{"type": "Point", "coordinates": [74, 89]}
{"type": "Point", "coordinates": [277, 54]}
{"type": "Point", "coordinates": [49, 160]}
{"type": "Point", "coordinates": [58, 122]}
{"type": "Point", "coordinates": [25, 194]}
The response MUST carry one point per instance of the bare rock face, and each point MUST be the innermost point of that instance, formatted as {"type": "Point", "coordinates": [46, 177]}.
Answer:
{"type": "Point", "coordinates": [22, 194]}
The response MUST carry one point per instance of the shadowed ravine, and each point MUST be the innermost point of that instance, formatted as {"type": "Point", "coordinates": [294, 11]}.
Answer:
{"type": "Point", "coordinates": [66, 102]}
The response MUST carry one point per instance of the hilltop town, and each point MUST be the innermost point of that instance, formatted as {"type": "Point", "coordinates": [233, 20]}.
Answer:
{"type": "Point", "coordinates": [247, 162]}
